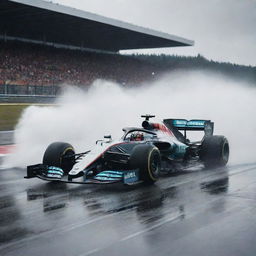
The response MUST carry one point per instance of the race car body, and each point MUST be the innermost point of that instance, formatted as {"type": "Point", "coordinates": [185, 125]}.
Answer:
{"type": "Point", "coordinates": [139, 156]}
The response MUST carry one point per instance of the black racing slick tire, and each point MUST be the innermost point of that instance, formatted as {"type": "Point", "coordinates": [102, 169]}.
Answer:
{"type": "Point", "coordinates": [147, 159]}
{"type": "Point", "coordinates": [57, 154]}
{"type": "Point", "coordinates": [214, 151]}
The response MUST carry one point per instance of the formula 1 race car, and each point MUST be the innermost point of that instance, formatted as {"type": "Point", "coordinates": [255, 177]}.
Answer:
{"type": "Point", "coordinates": [139, 156]}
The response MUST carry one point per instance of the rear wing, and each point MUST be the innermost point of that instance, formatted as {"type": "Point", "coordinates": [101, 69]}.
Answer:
{"type": "Point", "coordinates": [190, 125]}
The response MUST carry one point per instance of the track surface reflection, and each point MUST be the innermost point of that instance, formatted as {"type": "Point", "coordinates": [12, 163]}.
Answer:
{"type": "Point", "coordinates": [184, 213]}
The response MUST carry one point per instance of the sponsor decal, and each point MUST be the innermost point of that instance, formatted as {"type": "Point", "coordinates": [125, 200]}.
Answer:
{"type": "Point", "coordinates": [184, 123]}
{"type": "Point", "coordinates": [131, 176]}
{"type": "Point", "coordinates": [180, 123]}
{"type": "Point", "coordinates": [195, 123]}
{"type": "Point", "coordinates": [57, 176]}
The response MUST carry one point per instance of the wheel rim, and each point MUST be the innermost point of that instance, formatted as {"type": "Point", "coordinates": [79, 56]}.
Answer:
{"type": "Point", "coordinates": [225, 152]}
{"type": "Point", "coordinates": [155, 165]}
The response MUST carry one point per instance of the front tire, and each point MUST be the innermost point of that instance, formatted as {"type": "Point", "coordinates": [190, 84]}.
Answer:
{"type": "Point", "coordinates": [148, 159]}
{"type": "Point", "coordinates": [55, 156]}
{"type": "Point", "coordinates": [214, 151]}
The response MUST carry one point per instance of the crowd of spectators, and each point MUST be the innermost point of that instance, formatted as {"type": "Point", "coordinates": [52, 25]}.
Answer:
{"type": "Point", "coordinates": [31, 64]}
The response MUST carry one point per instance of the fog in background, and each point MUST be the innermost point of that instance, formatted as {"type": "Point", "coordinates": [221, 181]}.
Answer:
{"type": "Point", "coordinates": [222, 30]}
{"type": "Point", "coordinates": [82, 117]}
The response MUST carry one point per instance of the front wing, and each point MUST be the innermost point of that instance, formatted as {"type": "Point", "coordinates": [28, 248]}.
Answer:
{"type": "Point", "coordinates": [51, 173]}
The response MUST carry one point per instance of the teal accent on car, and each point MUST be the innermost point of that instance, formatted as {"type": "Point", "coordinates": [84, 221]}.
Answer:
{"type": "Point", "coordinates": [179, 150]}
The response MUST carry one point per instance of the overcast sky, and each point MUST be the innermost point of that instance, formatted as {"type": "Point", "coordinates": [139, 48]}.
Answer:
{"type": "Point", "coordinates": [223, 30]}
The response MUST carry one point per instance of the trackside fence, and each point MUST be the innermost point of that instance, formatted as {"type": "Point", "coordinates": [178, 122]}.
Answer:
{"type": "Point", "coordinates": [28, 90]}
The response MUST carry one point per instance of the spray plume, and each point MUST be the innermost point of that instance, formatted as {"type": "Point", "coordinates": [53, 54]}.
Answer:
{"type": "Point", "coordinates": [81, 117]}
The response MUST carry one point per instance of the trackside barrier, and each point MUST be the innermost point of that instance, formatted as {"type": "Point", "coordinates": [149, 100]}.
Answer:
{"type": "Point", "coordinates": [35, 90]}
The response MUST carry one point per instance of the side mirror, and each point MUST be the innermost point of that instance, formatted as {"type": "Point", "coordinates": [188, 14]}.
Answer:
{"type": "Point", "coordinates": [97, 141]}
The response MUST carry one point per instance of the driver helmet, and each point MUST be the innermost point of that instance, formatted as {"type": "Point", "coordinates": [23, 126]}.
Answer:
{"type": "Point", "coordinates": [137, 136]}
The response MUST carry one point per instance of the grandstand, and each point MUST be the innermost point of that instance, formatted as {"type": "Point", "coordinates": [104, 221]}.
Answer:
{"type": "Point", "coordinates": [43, 45]}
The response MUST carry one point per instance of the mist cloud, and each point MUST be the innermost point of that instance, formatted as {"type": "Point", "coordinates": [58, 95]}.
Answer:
{"type": "Point", "coordinates": [82, 117]}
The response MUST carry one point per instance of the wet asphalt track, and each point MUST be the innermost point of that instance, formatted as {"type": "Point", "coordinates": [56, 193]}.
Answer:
{"type": "Point", "coordinates": [195, 212]}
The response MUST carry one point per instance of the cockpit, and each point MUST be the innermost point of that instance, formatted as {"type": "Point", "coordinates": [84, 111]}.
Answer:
{"type": "Point", "coordinates": [139, 135]}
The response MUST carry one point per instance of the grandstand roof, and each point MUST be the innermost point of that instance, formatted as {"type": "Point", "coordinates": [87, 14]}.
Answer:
{"type": "Point", "coordinates": [48, 22]}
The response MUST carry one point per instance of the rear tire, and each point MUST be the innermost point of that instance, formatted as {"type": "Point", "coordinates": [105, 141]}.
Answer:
{"type": "Point", "coordinates": [148, 159]}
{"type": "Point", "coordinates": [55, 156]}
{"type": "Point", "coordinates": [214, 151]}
